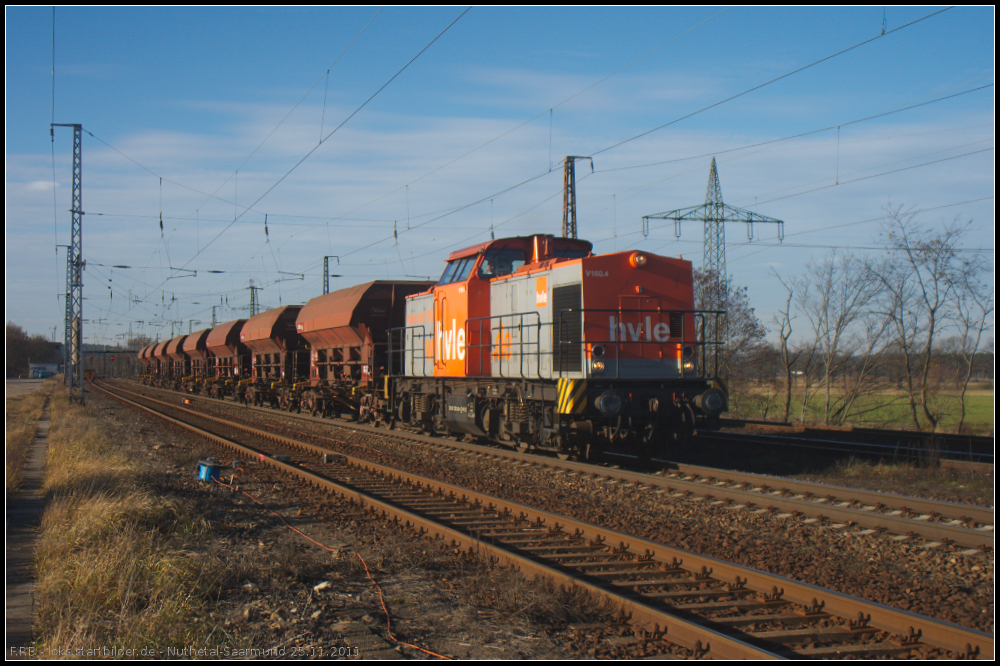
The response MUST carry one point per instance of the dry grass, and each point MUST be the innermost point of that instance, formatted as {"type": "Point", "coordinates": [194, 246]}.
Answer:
{"type": "Point", "coordinates": [23, 414]}
{"type": "Point", "coordinates": [112, 567]}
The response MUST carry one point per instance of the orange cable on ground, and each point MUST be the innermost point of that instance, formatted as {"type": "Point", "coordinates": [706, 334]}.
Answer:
{"type": "Point", "coordinates": [388, 628]}
{"type": "Point", "coordinates": [332, 550]}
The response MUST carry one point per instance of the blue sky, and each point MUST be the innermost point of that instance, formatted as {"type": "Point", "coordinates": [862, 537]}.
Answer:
{"type": "Point", "coordinates": [222, 104]}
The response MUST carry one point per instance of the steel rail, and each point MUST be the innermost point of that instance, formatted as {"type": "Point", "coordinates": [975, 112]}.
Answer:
{"type": "Point", "coordinates": [836, 503]}
{"type": "Point", "coordinates": [980, 514]}
{"type": "Point", "coordinates": [945, 443]}
{"type": "Point", "coordinates": [910, 629]}
{"type": "Point", "coordinates": [801, 441]}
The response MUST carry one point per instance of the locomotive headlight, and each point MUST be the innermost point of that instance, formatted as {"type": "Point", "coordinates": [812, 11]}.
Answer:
{"type": "Point", "coordinates": [597, 351]}
{"type": "Point", "coordinates": [637, 260]}
{"type": "Point", "coordinates": [597, 366]}
{"type": "Point", "coordinates": [688, 366]}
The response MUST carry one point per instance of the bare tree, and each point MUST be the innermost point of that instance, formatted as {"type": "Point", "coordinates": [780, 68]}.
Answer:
{"type": "Point", "coordinates": [744, 351]}
{"type": "Point", "coordinates": [923, 279]}
{"type": "Point", "coordinates": [784, 321]}
{"type": "Point", "coordinates": [974, 307]}
{"type": "Point", "coordinates": [835, 297]}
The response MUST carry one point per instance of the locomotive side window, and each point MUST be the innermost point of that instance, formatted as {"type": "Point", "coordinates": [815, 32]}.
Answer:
{"type": "Point", "coordinates": [501, 262]}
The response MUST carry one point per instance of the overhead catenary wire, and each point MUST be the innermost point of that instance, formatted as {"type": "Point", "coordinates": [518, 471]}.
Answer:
{"type": "Point", "coordinates": [345, 121]}
{"type": "Point", "coordinates": [719, 151]}
{"type": "Point", "coordinates": [769, 82]}
{"type": "Point", "coordinates": [305, 157]}
{"type": "Point", "coordinates": [733, 97]}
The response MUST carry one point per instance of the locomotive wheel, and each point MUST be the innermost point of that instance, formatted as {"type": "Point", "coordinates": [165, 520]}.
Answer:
{"type": "Point", "coordinates": [403, 409]}
{"type": "Point", "coordinates": [683, 426]}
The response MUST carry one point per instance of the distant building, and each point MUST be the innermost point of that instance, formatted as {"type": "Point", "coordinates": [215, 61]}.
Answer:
{"type": "Point", "coordinates": [43, 370]}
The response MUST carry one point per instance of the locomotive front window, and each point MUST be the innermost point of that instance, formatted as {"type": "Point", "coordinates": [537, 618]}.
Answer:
{"type": "Point", "coordinates": [449, 271]}
{"type": "Point", "coordinates": [462, 274]}
{"type": "Point", "coordinates": [501, 262]}
{"type": "Point", "coordinates": [457, 271]}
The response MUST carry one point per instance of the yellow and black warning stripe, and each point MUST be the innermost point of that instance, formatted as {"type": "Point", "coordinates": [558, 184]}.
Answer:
{"type": "Point", "coordinates": [572, 396]}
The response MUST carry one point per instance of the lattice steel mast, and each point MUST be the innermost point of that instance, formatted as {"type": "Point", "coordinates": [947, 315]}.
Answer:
{"type": "Point", "coordinates": [254, 302]}
{"type": "Point", "coordinates": [74, 271]}
{"type": "Point", "coordinates": [714, 259]}
{"type": "Point", "coordinates": [569, 194]}
{"type": "Point", "coordinates": [714, 213]}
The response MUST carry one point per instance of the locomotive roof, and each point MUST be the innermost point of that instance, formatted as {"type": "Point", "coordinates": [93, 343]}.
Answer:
{"type": "Point", "coordinates": [516, 241]}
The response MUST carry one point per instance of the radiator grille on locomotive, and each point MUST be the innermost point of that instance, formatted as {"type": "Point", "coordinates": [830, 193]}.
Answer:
{"type": "Point", "coordinates": [567, 329]}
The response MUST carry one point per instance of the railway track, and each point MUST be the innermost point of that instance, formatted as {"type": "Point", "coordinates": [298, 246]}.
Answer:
{"type": "Point", "coordinates": [870, 442]}
{"type": "Point", "coordinates": [707, 606]}
{"type": "Point", "coordinates": [858, 511]}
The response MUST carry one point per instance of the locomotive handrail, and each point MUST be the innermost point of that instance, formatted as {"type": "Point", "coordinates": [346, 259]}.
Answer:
{"type": "Point", "coordinates": [422, 336]}
{"type": "Point", "coordinates": [502, 345]}
{"type": "Point", "coordinates": [526, 348]}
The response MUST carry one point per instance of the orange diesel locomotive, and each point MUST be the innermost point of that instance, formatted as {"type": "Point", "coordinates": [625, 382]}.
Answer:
{"type": "Point", "coordinates": [537, 343]}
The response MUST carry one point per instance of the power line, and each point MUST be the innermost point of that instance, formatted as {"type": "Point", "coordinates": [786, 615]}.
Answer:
{"type": "Point", "coordinates": [533, 118]}
{"type": "Point", "coordinates": [356, 111]}
{"type": "Point", "coordinates": [767, 83]}
{"type": "Point", "coordinates": [801, 135]}
{"type": "Point", "coordinates": [307, 155]}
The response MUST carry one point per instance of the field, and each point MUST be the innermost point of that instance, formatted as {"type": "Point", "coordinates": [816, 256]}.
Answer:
{"type": "Point", "coordinates": [886, 409]}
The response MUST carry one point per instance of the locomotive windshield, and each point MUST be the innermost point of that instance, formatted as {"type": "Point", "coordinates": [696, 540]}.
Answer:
{"type": "Point", "coordinates": [457, 271]}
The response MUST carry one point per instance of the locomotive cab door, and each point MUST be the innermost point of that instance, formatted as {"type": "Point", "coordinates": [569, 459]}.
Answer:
{"type": "Point", "coordinates": [461, 296]}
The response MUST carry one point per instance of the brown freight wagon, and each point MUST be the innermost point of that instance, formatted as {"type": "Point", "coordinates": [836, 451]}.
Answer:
{"type": "Point", "coordinates": [228, 358]}
{"type": "Point", "coordinates": [347, 333]}
{"type": "Point", "coordinates": [158, 363]}
{"type": "Point", "coordinates": [178, 363]}
{"type": "Point", "coordinates": [196, 349]}
{"type": "Point", "coordinates": [278, 358]}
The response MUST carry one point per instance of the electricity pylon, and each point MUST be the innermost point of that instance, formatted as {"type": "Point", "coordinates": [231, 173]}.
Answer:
{"type": "Point", "coordinates": [714, 214]}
